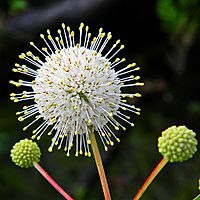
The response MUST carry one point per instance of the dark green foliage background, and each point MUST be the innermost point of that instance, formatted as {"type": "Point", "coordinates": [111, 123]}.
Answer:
{"type": "Point", "coordinates": [163, 37]}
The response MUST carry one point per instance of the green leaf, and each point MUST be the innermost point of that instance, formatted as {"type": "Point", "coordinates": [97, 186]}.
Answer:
{"type": "Point", "coordinates": [18, 5]}
{"type": "Point", "coordinates": [197, 198]}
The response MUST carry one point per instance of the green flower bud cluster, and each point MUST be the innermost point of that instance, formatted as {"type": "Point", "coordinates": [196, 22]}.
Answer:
{"type": "Point", "coordinates": [177, 144]}
{"type": "Point", "coordinates": [25, 152]}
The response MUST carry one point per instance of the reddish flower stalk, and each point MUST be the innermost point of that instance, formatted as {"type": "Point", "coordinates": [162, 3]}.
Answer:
{"type": "Point", "coordinates": [51, 181]}
{"type": "Point", "coordinates": [151, 177]}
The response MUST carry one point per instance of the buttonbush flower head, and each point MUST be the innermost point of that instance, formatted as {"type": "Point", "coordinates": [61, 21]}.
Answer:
{"type": "Point", "coordinates": [25, 152]}
{"type": "Point", "coordinates": [199, 184]}
{"type": "Point", "coordinates": [78, 83]}
{"type": "Point", "coordinates": [177, 144]}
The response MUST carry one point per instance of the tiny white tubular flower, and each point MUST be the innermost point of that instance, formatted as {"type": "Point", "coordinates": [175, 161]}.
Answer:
{"type": "Point", "coordinates": [76, 86]}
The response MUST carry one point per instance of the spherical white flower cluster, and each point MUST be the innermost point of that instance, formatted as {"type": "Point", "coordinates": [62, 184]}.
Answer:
{"type": "Point", "coordinates": [76, 87]}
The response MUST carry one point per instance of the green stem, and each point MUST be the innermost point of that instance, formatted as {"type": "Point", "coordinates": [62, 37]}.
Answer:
{"type": "Point", "coordinates": [152, 176]}
{"type": "Point", "coordinates": [99, 165]}
{"type": "Point", "coordinates": [197, 197]}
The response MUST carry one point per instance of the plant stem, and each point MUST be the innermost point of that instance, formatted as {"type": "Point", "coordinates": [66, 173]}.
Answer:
{"type": "Point", "coordinates": [99, 165]}
{"type": "Point", "coordinates": [197, 197]}
{"type": "Point", "coordinates": [51, 181]}
{"type": "Point", "coordinates": [151, 177]}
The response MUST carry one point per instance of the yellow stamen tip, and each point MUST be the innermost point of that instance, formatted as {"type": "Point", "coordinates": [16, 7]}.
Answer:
{"type": "Point", "coordinates": [72, 33]}
{"type": "Point", "coordinates": [87, 28]}
{"type": "Point", "coordinates": [12, 94]}
{"type": "Point", "coordinates": [89, 121]}
{"type": "Point", "coordinates": [138, 95]}
{"type": "Point", "coordinates": [89, 154]}
{"type": "Point", "coordinates": [21, 56]}
{"type": "Point", "coordinates": [25, 128]}
{"type": "Point", "coordinates": [14, 70]}
{"type": "Point", "coordinates": [49, 37]}
{"type": "Point", "coordinates": [137, 68]}
{"type": "Point", "coordinates": [33, 137]}
{"type": "Point", "coordinates": [50, 149]}
{"type": "Point", "coordinates": [49, 133]}
{"type": "Point", "coordinates": [133, 64]}
{"type": "Point", "coordinates": [89, 141]}
{"type": "Point", "coordinates": [118, 140]}
{"type": "Point", "coordinates": [68, 28]}
{"type": "Point", "coordinates": [38, 137]}
{"type": "Point", "coordinates": [42, 36]}
{"type": "Point", "coordinates": [117, 59]}
{"type": "Point", "coordinates": [101, 99]}
{"type": "Point", "coordinates": [110, 114]}
{"type": "Point", "coordinates": [118, 41]}
{"type": "Point", "coordinates": [21, 119]}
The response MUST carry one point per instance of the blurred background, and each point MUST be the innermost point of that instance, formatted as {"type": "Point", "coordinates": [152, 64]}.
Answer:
{"type": "Point", "coordinates": [161, 36]}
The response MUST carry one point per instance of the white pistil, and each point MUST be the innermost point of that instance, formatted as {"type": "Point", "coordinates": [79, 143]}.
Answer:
{"type": "Point", "coordinates": [51, 40]}
{"type": "Point", "coordinates": [69, 35]}
{"type": "Point", "coordinates": [126, 72]}
{"type": "Point", "coordinates": [114, 46]}
{"type": "Point", "coordinates": [109, 36]}
{"type": "Point", "coordinates": [62, 139]}
{"type": "Point", "coordinates": [27, 126]}
{"type": "Point", "coordinates": [33, 62]}
{"type": "Point", "coordinates": [106, 135]}
{"type": "Point", "coordinates": [102, 140]}
{"type": "Point", "coordinates": [111, 132]}
{"type": "Point", "coordinates": [121, 47]}
{"type": "Point", "coordinates": [134, 84]}
{"type": "Point", "coordinates": [66, 40]}
{"type": "Point", "coordinates": [117, 62]}
{"type": "Point", "coordinates": [42, 36]}
{"type": "Point", "coordinates": [32, 44]}
{"type": "Point", "coordinates": [22, 118]}
{"type": "Point", "coordinates": [125, 120]}
{"type": "Point", "coordinates": [80, 31]}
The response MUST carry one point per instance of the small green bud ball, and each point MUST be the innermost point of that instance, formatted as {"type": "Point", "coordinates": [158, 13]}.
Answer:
{"type": "Point", "coordinates": [25, 152]}
{"type": "Point", "coordinates": [177, 144]}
